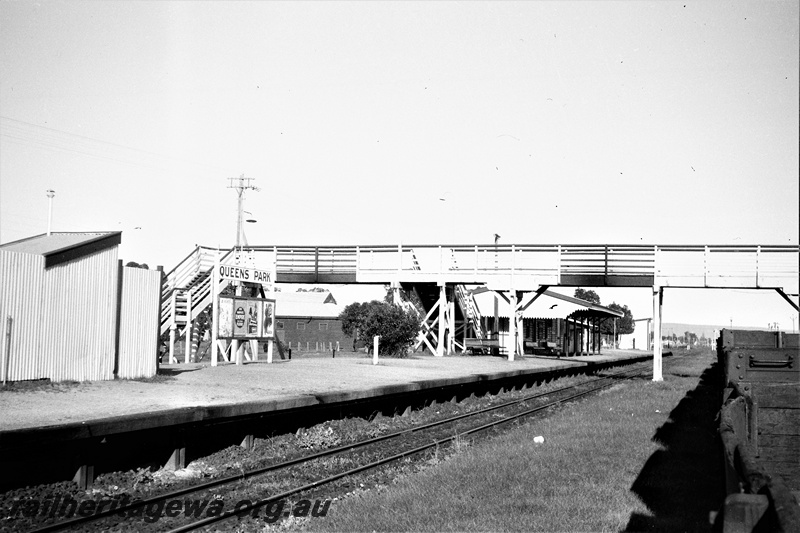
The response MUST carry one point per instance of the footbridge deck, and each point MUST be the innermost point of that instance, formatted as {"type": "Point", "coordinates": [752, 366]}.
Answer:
{"type": "Point", "coordinates": [498, 267]}
{"type": "Point", "coordinates": [522, 267]}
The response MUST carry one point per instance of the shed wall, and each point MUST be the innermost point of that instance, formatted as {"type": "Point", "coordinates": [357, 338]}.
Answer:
{"type": "Point", "coordinates": [21, 278]}
{"type": "Point", "coordinates": [78, 318]}
{"type": "Point", "coordinates": [139, 323]}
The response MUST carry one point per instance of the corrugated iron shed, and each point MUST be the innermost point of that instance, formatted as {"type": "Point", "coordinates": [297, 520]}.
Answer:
{"type": "Point", "coordinates": [65, 246]}
{"type": "Point", "coordinates": [59, 292]}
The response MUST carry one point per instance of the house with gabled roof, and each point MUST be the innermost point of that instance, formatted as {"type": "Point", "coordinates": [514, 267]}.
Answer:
{"type": "Point", "coordinates": [310, 321]}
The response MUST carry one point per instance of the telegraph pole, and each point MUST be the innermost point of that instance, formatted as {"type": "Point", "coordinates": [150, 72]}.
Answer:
{"type": "Point", "coordinates": [496, 332]}
{"type": "Point", "coordinates": [241, 184]}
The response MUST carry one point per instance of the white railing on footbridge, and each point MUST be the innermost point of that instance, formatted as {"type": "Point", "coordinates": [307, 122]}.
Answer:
{"type": "Point", "coordinates": [523, 266]}
{"type": "Point", "coordinates": [190, 277]}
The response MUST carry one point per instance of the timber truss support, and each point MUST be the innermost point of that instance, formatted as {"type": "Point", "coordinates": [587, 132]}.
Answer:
{"type": "Point", "coordinates": [788, 299]}
{"type": "Point", "coordinates": [438, 326]}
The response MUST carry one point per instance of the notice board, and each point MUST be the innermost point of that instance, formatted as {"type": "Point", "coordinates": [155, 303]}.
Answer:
{"type": "Point", "coordinates": [242, 317]}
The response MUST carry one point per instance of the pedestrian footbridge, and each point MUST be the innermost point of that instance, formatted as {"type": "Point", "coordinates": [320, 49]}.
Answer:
{"type": "Point", "coordinates": [515, 271]}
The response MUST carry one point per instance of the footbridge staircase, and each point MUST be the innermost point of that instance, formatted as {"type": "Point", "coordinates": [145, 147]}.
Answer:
{"type": "Point", "coordinates": [186, 293]}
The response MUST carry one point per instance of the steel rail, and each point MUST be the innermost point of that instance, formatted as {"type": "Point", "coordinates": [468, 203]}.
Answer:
{"type": "Point", "coordinates": [243, 510]}
{"type": "Point", "coordinates": [307, 458]}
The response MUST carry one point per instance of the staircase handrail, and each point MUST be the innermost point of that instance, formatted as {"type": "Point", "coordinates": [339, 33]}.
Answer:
{"type": "Point", "coordinates": [195, 263]}
{"type": "Point", "coordinates": [190, 275]}
{"type": "Point", "coordinates": [466, 300]}
{"type": "Point", "coordinates": [183, 271]}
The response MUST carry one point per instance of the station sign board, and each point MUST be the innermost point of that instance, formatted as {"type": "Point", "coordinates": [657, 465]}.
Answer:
{"type": "Point", "coordinates": [242, 317]}
{"type": "Point", "coordinates": [250, 275]}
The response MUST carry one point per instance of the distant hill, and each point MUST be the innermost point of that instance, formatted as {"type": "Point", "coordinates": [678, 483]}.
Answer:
{"type": "Point", "coordinates": [701, 330]}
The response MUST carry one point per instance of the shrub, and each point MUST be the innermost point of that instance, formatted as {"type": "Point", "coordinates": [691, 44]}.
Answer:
{"type": "Point", "coordinates": [396, 327]}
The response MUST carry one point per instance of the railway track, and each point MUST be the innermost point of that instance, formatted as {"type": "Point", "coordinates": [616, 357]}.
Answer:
{"type": "Point", "coordinates": [242, 495]}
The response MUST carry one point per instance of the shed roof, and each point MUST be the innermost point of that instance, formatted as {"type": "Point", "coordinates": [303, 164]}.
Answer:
{"type": "Point", "coordinates": [549, 305]}
{"type": "Point", "coordinates": [61, 247]}
{"type": "Point", "coordinates": [321, 297]}
{"type": "Point", "coordinates": [306, 304]}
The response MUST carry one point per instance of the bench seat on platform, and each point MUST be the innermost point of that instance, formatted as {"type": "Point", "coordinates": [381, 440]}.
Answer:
{"type": "Point", "coordinates": [541, 347]}
{"type": "Point", "coordinates": [483, 346]}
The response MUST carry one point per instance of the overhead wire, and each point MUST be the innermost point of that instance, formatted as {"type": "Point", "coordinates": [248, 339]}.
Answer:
{"type": "Point", "coordinates": [37, 137]}
{"type": "Point", "coordinates": [26, 133]}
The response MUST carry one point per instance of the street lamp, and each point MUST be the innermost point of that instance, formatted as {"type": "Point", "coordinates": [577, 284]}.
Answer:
{"type": "Point", "coordinates": [243, 236]}
{"type": "Point", "coordinates": [50, 194]}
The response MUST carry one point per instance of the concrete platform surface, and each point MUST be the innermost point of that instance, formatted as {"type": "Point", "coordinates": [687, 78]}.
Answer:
{"type": "Point", "coordinates": [230, 390]}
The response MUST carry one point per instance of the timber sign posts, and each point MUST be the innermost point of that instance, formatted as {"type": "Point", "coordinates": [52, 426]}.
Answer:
{"type": "Point", "coordinates": [240, 318]}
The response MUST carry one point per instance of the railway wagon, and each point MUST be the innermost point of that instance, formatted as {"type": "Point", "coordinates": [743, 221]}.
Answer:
{"type": "Point", "coordinates": [760, 430]}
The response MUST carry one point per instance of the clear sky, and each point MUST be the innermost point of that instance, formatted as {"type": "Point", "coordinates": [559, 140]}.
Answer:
{"type": "Point", "coordinates": [544, 122]}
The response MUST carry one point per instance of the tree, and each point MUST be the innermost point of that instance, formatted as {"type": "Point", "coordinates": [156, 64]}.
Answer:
{"type": "Point", "coordinates": [396, 326]}
{"type": "Point", "coordinates": [589, 296]}
{"type": "Point", "coordinates": [625, 323]}
{"type": "Point", "coordinates": [134, 264]}
{"type": "Point", "coordinates": [352, 317]}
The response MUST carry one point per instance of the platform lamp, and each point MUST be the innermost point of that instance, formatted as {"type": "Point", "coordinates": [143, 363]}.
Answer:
{"type": "Point", "coordinates": [250, 220]}
{"type": "Point", "coordinates": [242, 241]}
{"type": "Point", "coordinates": [50, 194]}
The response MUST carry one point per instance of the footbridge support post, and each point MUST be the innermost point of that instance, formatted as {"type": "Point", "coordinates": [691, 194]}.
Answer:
{"type": "Point", "coordinates": [396, 299]}
{"type": "Point", "coordinates": [520, 323]}
{"type": "Point", "coordinates": [658, 298]}
{"type": "Point", "coordinates": [442, 319]}
{"type": "Point", "coordinates": [512, 325]}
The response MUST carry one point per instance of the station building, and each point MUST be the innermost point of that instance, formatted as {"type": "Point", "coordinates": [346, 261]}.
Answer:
{"type": "Point", "coordinates": [552, 324]}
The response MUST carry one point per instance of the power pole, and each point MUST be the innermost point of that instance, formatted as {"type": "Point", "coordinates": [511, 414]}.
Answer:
{"type": "Point", "coordinates": [496, 303]}
{"type": "Point", "coordinates": [241, 184]}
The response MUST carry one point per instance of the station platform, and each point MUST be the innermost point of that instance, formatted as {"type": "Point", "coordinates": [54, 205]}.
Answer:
{"type": "Point", "coordinates": [190, 393]}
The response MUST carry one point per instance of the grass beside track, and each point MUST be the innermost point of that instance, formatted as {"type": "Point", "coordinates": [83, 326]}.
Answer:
{"type": "Point", "coordinates": [639, 456]}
